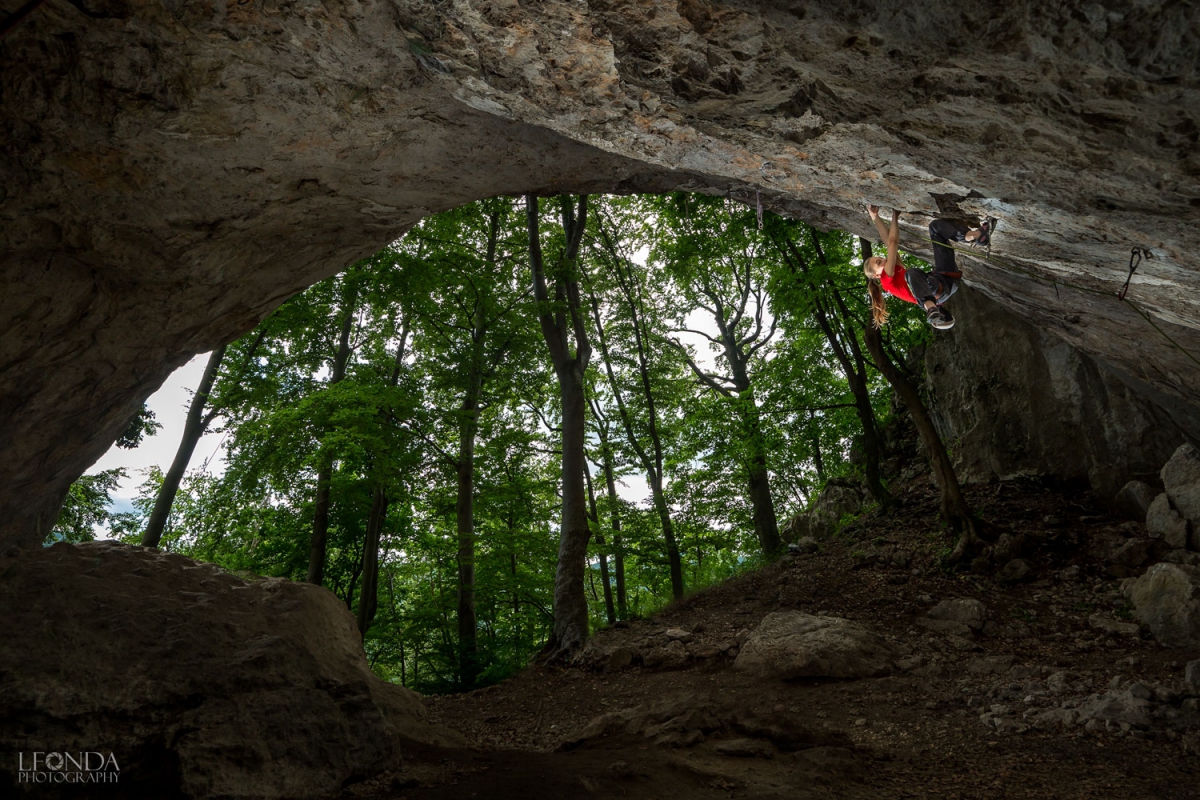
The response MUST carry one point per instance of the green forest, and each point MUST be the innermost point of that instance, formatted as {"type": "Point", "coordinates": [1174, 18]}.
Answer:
{"type": "Point", "coordinates": [528, 418]}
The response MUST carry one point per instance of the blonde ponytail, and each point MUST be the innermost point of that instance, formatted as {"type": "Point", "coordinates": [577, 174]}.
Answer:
{"type": "Point", "coordinates": [879, 312]}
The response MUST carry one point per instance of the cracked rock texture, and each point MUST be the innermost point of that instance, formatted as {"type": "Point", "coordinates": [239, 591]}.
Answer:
{"type": "Point", "coordinates": [1012, 400]}
{"type": "Point", "coordinates": [200, 683]}
{"type": "Point", "coordinates": [173, 170]}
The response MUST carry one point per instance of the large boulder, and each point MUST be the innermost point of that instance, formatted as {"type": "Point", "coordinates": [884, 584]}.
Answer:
{"type": "Point", "coordinates": [198, 682]}
{"type": "Point", "coordinates": [1164, 522]}
{"type": "Point", "coordinates": [839, 497]}
{"type": "Point", "coordinates": [1181, 479]}
{"type": "Point", "coordinates": [1134, 499]}
{"type": "Point", "coordinates": [792, 644]}
{"type": "Point", "coordinates": [1167, 600]}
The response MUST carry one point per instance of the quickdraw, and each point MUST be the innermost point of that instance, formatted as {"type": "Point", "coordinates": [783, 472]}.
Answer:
{"type": "Point", "coordinates": [1136, 255]}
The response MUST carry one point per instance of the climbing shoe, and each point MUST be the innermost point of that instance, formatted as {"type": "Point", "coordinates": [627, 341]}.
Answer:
{"type": "Point", "coordinates": [940, 318]}
{"type": "Point", "coordinates": [985, 233]}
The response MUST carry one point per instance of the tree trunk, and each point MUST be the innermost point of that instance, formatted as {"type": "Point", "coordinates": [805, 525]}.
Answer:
{"type": "Point", "coordinates": [609, 611]}
{"type": "Point", "coordinates": [367, 598]}
{"type": "Point", "coordinates": [468, 645]}
{"type": "Point", "coordinates": [316, 552]}
{"type": "Point", "coordinates": [193, 429]}
{"type": "Point", "coordinates": [618, 541]}
{"type": "Point", "coordinates": [954, 509]}
{"type": "Point", "coordinates": [766, 524]}
{"type": "Point", "coordinates": [570, 602]}
{"type": "Point", "coordinates": [849, 356]}
{"type": "Point", "coordinates": [559, 321]}
{"type": "Point", "coordinates": [653, 468]}
{"type": "Point", "coordinates": [668, 528]}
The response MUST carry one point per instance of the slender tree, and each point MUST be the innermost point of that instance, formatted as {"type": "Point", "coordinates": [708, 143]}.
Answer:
{"type": "Point", "coordinates": [727, 285]}
{"type": "Point", "coordinates": [607, 465]}
{"type": "Point", "coordinates": [651, 459]}
{"type": "Point", "coordinates": [609, 610]}
{"type": "Point", "coordinates": [562, 320]}
{"type": "Point", "coordinates": [368, 597]}
{"type": "Point", "coordinates": [337, 371]}
{"type": "Point", "coordinates": [831, 314]}
{"type": "Point", "coordinates": [954, 509]}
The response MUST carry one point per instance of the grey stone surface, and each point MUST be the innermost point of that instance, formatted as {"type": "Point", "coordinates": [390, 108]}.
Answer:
{"type": "Point", "coordinates": [1191, 675]}
{"type": "Point", "coordinates": [253, 688]}
{"type": "Point", "coordinates": [1166, 600]}
{"type": "Point", "coordinates": [839, 497]}
{"type": "Point", "coordinates": [1041, 406]}
{"type": "Point", "coordinates": [792, 644]}
{"type": "Point", "coordinates": [172, 173]}
{"type": "Point", "coordinates": [1181, 479]}
{"type": "Point", "coordinates": [1015, 571]}
{"type": "Point", "coordinates": [965, 611]}
{"type": "Point", "coordinates": [1164, 522]}
{"type": "Point", "coordinates": [1134, 499]}
{"type": "Point", "coordinates": [1108, 625]}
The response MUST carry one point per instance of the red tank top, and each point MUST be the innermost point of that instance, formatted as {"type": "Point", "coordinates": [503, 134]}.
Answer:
{"type": "Point", "coordinates": [897, 287]}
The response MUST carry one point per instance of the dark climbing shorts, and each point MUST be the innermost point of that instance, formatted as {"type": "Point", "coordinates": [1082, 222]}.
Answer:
{"type": "Point", "coordinates": [937, 284]}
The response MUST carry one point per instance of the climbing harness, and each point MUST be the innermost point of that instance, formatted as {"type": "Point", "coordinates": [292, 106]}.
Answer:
{"type": "Point", "coordinates": [1135, 259]}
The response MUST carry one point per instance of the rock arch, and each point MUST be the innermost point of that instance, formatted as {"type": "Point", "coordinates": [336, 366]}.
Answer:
{"type": "Point", "coordinates": [174, 169]}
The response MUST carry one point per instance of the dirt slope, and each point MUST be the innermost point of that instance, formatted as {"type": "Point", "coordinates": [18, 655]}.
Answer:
{"type": "Point", "coordinates": [958, 717]}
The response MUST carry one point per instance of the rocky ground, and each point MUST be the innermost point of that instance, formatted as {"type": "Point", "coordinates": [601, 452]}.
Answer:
{"type": "Point", "coordinates": [1026, 677]}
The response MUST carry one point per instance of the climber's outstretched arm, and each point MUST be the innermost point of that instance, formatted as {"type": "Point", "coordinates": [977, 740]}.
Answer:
{"type": "Point", "coordinates": [890, 235]}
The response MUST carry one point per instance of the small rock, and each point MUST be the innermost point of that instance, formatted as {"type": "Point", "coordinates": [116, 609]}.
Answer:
{"type": "Point", "coordinates": [1140, 691]}
{"type": "Point", "coordinates": [965, 611]}
{"type": "Point", "coordinates": [1191, 675]}
{"type": "Point", "coordinates": [1071, 573]}
{"type": "Point", "coordinates": [619, 659]}
{"type": "Point", "coordinates": [1102, 623]}
{"type": "Point", "coordinates": [744, 748]}
{"type": "Point", "coordinates": [861, 722]}
{"type": "Point", "coordinates": [988, 665]}
{"type": "Point", "coordinates": [1015, 571]}
{"type": "Point", "coordinates": [1182, 556]}
{"type": "Point", "coordinates": [1057, 682]}
{"type": "Point", "coordinates": [806, 544]}
{"type": "Point", "coordinates": [678, 635]}
{"type": "Point", "coordinates": [671, 656]}
{"type": "Point", "coordinates": [792, 644]}
{"type": "Point", "coordinates": [1133, 553]}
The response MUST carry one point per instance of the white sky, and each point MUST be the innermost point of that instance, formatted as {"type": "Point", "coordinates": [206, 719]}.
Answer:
{"type": "Point", "coordinates": [170, 405]}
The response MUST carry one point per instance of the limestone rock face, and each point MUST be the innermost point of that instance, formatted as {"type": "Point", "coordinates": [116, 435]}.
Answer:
{"type": "Point", "coordinates": [173, 171]}
{"type": "Point", "coordinates": [1167, 600]}
{"type": "Point", "coordinates": [791, 644]}
{"type": "Point", "coordinates": [1015, 400]}
{"type": "Point", "coordinates": [200, 683]}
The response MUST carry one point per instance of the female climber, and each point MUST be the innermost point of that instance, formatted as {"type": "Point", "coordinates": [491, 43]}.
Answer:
{"type": "Point", "coordinates": [928, 290]}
